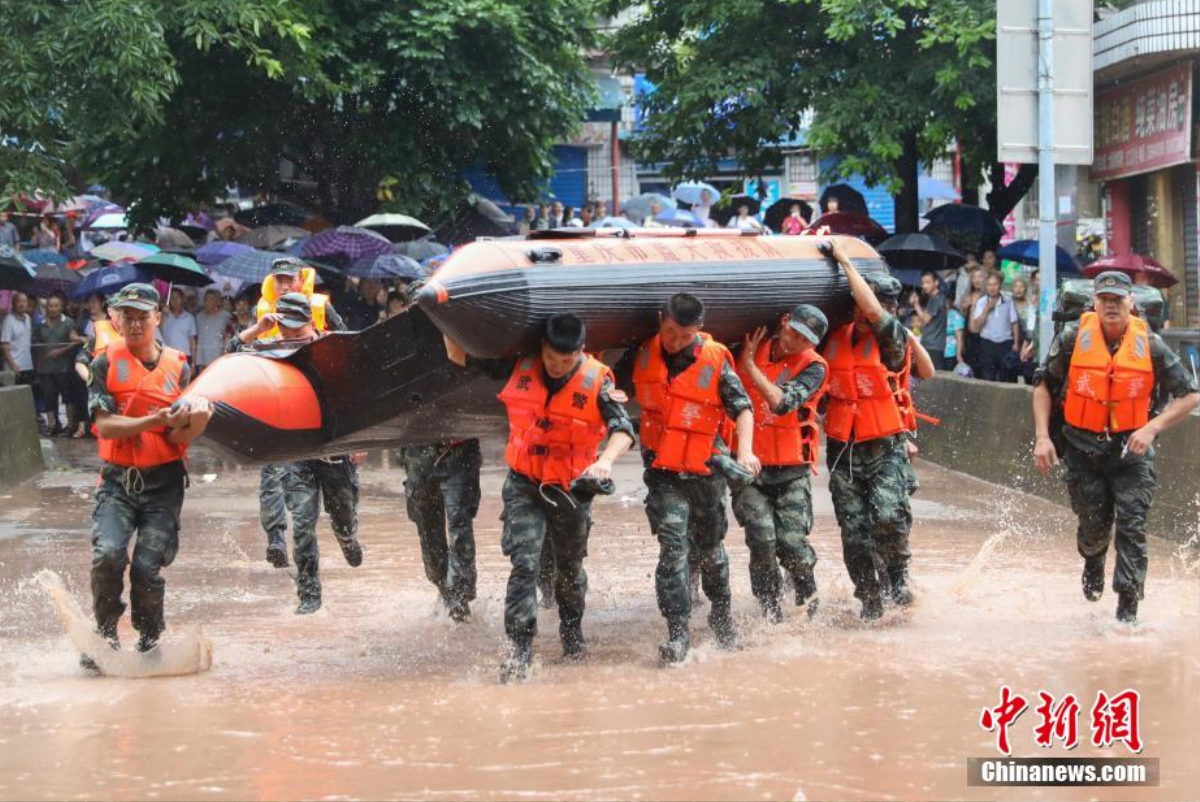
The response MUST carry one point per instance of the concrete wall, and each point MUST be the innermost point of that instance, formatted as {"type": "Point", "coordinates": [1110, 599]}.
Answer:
{"type": "Point", "coordinates": [987, 432]}
{"type": "Point", "coordinates": [20, 446]}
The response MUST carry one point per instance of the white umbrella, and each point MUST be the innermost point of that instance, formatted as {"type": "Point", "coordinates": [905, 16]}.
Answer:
{"type": "Point", "coordinates": [110, 220]}
{"type": "Point", "coordinates": [692, 192]}
{"type": "Point", "coordinates": [117, 251]}
{"type": "Point", "coordinates": [396, 227]}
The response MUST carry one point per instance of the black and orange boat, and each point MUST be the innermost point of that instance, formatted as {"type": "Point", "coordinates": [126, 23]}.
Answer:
{"type": "Point", "coordinates": [392, 382]}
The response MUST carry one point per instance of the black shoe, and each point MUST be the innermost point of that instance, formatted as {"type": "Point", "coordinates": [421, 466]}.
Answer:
{"type": "Point", "coordinates": [460, 611]}
{"type": "Point", "coordinates": [352, 551]}
{"type": "Point", "coordinates": [573, 644]}
{"type": "Point", "coordinates": [675, 648]}
{"type": "Point", "coordinates": [898, 587]}
{"type": "Point", "coordinates": [148, 642]}
{"type": "Point", "coordinates": [771, 610]}
{"type": "Point", "coordinates": [110, 636]}
{"type": "Point", "coordinates": [516, 665]}
{"type": "Point", "coordinates": [308, 604]}
{"type": "Point", "coordinates": [1127, 604]}
{"type": "Point", "coordinates": [277, 555]}
{"type": "Point", "coordinates": [806, 588]}
{"type": "Point", "coordinates": [1093, 578]}
{"type": "Point", "coordinates": [720, 620]}
{"type": "Point", "coordinates": [872, 608]}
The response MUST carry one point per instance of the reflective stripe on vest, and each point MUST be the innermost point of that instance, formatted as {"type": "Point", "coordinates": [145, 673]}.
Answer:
{"type": "Point", "coordinates": [791, 438]}
{"type": "Point", "coordinates": [862, 391]}
{"type": "Point", "coordinates": [682, 417]}
{"type": "Point", "coordinates": [140, 392]}
{"type": "Point", "coordinates": [1109, 392]}
{"type": "Point", "coordinates": [553, 438]}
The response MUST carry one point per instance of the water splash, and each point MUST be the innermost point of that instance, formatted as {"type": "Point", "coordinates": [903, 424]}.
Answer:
{"type": "Point", "coordinates": [188, 651]}
{"type": "Point", "coordinates": [979, 563]}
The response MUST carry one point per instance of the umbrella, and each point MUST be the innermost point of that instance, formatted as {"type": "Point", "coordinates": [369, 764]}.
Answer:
{"type": "Point", "coordinates": [108, 280]}
{"type": "Point", "coordinates": [1133, 264]}
{"type": "Point", "coordinates": [737, 201]}
{"type": "Point", "coordinates": [197, 226]}
{"type": "Point", "coordinates": [272, 236]}
{"type": "Point", "coordinates": [41, 256]}
{"type": "Point", "coordinates": [122, 251]}
{"type": "Point", "coordinates": [932, 189]}
{"type": "Point", "coordinates": [850, 224]}
{"type": "Point", "coordinates": [848, 199]}
{"type": "Point", "coordinates": [346, 243]}
{"type": "Point", "coordinates": [396, 227]}
{"type": "Point", "coordinates": [389, 266]}
{"type": "Point", "coordinates": [490, 210]}
{"type": "Point", "coordinates": [14, 273]}
{"type": "Point", "coordinates": [109, 220]}
{"type": "Point", "coordinates": [174, 238]}
{"type": "Point", "coordinates": [680, 218]}
{"type": "Point", "coordinates": [229, 287]}
{"type": "Point", "coordinates": [692, 193]}
{"type": "Point", "coordinates": [420, 249]}
{"type": "Point", "coordinates": [778, 211]}
{"type": "Point", "coordinates": [175, 269]}
{"type": "Point", "coordinates": [254, 265]}
{"type": "Point", "coordinates": [919, 252]}
{"type": "Point", "coordinates": [614, 222]}
{"type": "Point", "coordinates": [638, 208]}
{"type": "Point", "coordinates": [213, 253]}
{"type": "Point", "coordinates": [50, 278]}
{"type": "Point", "coordinates": [271, 214]}
{"type": "Point", "coordinates": [228, 222]}
{"type": "Point", "coordinates": [100, 209]}
{"type": "Point", "coordinates": [1025, 251]}
{"type": "Point", "coordinates": [967, 227]}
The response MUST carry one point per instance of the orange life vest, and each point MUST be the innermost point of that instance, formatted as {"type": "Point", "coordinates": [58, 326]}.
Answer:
{"type": "Point", "coordinates": [864, 396]}
{"type": "Point", "coordinates": [552, 439]}
{"type": "Point", "coordinates": [681, 417]}
{"type": "Point", "coordinates": [139, 392]}
{"type": "Point", "coordinates": [1106, 392]}
{"type": "Point", "coordinates": [104, 335]}
{"type": "Point", "coordinates": [266, 304]}
{"type": "Point", "coordinates": [791, 438]}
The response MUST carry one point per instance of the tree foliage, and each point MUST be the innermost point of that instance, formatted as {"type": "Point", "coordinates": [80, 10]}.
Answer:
{"type": "Point", "coordinates": [887, 82]}
{"type": "Point", "coordinates": [351, 92]}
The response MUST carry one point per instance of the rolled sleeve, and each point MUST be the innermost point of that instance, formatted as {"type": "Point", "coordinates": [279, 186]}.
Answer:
{"type": "Point", "coordinates": [616, 417]}
{"type": "Point", "coordinates": [732, 392]}
{"type": "Point", "coordinates": [893, 341]}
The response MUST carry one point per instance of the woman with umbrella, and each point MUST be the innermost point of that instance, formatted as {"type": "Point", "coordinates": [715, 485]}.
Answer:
{"type": "Point", "coordinates": [742, 221]}
{"type": "Point", "coordinates": [794, 223]}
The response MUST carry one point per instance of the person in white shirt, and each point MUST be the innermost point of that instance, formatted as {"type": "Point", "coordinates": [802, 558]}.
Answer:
{"type": "Point", "coordinates": [179, 327]}
{"type": "Point", "coordinates": [994, 319]}
{"type": "Point", "coordinates": [16, 340]}
{"type": "Point", "coordinates": [212, 327]}
{"type": "Point", "coordinates": [743, 221]}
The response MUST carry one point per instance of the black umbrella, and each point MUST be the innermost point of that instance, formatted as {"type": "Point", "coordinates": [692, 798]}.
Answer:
{"type": "Point", "coordinates": [967, 227]}
{"type": "Point", "coordinates": [54, 278]}
{"type": "Point", "coordinates": [272, 214]}
{"type": "Point", "coordinates": [738, 201]}
{"type": "Point", "coordinates": [14, 273]}
{"type": "Point", "coordinates": [924, 251]}
{"type": "Point", "coordinates": [848, 199]}
{"type": "Point", "coordinates": [778, 211]}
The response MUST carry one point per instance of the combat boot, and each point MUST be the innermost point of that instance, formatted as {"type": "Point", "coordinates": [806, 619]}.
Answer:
{"type": "Point", "coordinates": [770, 609]}
{"type": "Point", "coordinates": [277, 553]}
{"type": "Point", "coordinates": [675, 648]}
{"type": "Point", "coordinates": [352, 551]}
{"type": "Point", "coordinates": [573, 644]}
{"type": "Point", "coordinates": [109, 633]}
{"type": "Point", "coordinates": [460, 610]}
{"type": "Point", "coordinates": [148, 641]}
{"type": "Point", "coordinates": [898, 586]}
{"type": "Point", "coordinates": [1093, 577]}
{"type": "Point", "coordinates": [872, 608]}
{"type": "Point", "coordinates": [720, 620]}
{"type": "Point", "coordinates": [515, 666]}
{"type": "Point", "coordinates": [805, 585]}
{"type": "Point", "coordinates": [1127, 604]}
{"type": "Point", "coordinates": [308, 604]}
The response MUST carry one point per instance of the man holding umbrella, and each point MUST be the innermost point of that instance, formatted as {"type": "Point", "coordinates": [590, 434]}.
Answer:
{"type": "Point", "coordinates": [1103, 372]}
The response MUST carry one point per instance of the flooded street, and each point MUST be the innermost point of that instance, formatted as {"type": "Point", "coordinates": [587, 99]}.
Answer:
{"type": "Point", "coordinates": [380, 695]}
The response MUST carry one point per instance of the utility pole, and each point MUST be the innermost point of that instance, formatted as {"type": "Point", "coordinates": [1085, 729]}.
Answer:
{"type": "Point", "coordinates": [1047, 202]}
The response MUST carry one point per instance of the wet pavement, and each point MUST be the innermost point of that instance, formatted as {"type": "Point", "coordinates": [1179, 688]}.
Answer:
{"type": "Point", "coordinates": [379, 695]}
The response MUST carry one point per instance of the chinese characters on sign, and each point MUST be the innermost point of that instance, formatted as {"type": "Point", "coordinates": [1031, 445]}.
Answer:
{"type": "Point", "coordinates": [1113, 719]}
{"type": "Point", "coordinates": [1144, 125]}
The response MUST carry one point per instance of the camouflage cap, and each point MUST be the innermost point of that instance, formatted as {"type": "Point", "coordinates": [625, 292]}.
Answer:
{"type": "Point", "coordinates": [1113, 282]}
{"type": "Point", "coordinates": [809, 321]}
{"type": "Point", "coordinates": [885, 287]}
{"type": "Point", "coordinates": [294, 310]}
{"type": "Point", "coordinates": [287, 266]}
{"type": "Point", "coordinates": [136, 296]}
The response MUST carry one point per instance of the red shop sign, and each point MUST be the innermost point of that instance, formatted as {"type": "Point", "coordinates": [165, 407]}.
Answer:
{"type": "Point", "coordinates": [1144, 125]}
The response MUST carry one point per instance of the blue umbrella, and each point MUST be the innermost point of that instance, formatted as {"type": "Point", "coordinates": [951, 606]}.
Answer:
{"type": "Point", "coordinates": [1025, 251]}
{"type": "Point", "coordinates": [681, 218]}
{"type": "Point", "coordinates": [214, 253]}
{"type": "Point", "coordinates": [251, 265]}
{"type": "Point", "coordinates": [691, 192]}
{"type": "Point", "coordinates": [345, 243]}
{"type": "Point", "coordinates": [614, 222]}
{"type": "Point", "coordinates": [389, 266]}
{"type": "Point", "coordinates": [108, 280]}
{"type": "Point", "coordinates": [41, 256]}
{"type": "Point", "coordinates": [931, 189]}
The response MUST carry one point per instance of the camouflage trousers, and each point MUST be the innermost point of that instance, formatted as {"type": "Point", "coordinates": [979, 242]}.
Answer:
{"type": "Point", "coordinates": [148, 503]}
{"type": "Point", "coordinates": [441, 493]}
{"type": "Point", "coordinates": [1106, 489]}
{"type": "Point", "coordinates": [870, 483]}
{"type": "Point", "coordinates": [687, 515]}
{"type": "Point", "coordinates": [272, 512]}
{"type": "Point", "coordinates": [531, 515]}
{"type": "Point", "coordinates": [305, 484]}
{"type": "Point", "coordinates": [777, 518]}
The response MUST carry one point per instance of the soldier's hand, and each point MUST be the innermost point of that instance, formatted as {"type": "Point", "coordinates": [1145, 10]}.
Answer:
{"type": "Point", "coordinates": [1140, 441]}
{"type": "Point", "coordinates": [600, 469]}
{"type": "Point", "coordinates": [201, 409]}
{"type": "Point", "coordinates": [751, 463]}
{"type": "Point", "coordinates": [750, 347]}
{"type": "Point", "coordinates": [177, 417]}
{"type": "Point", "coordinates": [1045, 455]}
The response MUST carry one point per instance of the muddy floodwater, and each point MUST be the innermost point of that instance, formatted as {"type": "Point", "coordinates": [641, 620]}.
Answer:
{"type": "Point", "coordinates": [379, 695]}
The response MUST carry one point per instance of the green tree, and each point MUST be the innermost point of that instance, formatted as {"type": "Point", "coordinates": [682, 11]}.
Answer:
{"type": "Point", "coordinates": [884, 84]}
{"type": "Point", "coordinates": [409, 92]}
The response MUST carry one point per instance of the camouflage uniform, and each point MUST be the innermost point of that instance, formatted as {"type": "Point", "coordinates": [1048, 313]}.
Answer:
{"type": "Point", "coordinates": [1106, 487]}
{"type": "Point", "coordinates": [441, 489]}
{"type": "Point", "coordinates": [870, 483]}
{"type": "Point", "coordinates": [776, 508]}
{"type": "Point", "coordinates": [304, 483]}
{"type": "Point", "coordinates": [148, 501]}
{"type": "Point", "coordinates": [687, 511]}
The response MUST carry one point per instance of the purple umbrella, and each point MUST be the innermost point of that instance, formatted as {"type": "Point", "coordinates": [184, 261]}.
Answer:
{"type": "Point", "coordinates": [345, 244]}
{"type": "Point", "coordinates": [213, 253]}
